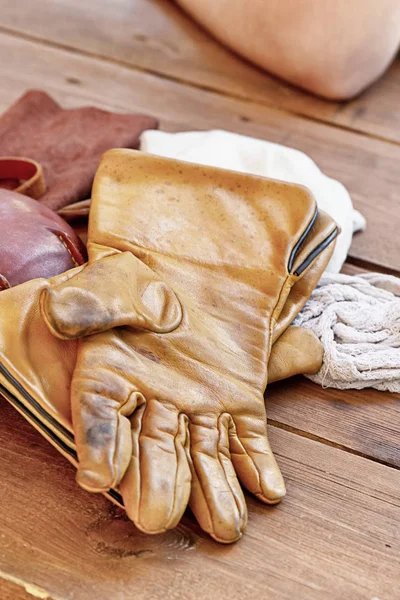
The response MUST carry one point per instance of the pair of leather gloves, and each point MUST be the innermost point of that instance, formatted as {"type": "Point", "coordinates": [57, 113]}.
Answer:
{"type": "Point", "coordinates": [147, 367]}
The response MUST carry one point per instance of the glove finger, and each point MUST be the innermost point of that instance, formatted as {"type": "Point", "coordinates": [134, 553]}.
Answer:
{"type": "Point", "coordinates": [102, 429]}
{"type": "Point", "coordinates": [298, 351]}
{"type": "Point", "coordinates": [216, 499]}
{"type": "Point", "coordinates": [254, 461]}
{"type": "Point", "coordinates": [156, 487]}
{"type": "Point", "coordinates": [130, 483]}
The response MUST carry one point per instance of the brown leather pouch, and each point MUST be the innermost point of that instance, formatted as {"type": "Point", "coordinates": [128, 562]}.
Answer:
{"type": "Point", "coordinates": [34, 241]}
{"type": "Point", "coordinates": [67, 143]}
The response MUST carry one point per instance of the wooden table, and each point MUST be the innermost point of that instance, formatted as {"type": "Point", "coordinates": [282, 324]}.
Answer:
{"type": "Point", "coordinates": [337, 534]}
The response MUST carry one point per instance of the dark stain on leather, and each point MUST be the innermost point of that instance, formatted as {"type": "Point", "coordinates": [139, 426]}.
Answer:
{"type": "Point", "coordinates": [98, 435]}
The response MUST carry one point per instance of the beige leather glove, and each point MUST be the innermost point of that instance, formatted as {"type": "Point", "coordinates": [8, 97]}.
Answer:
{"type": "Point", "coordinates": [181, 412]}
{"type": "Point", "coordinates": [297, 352]}
{"type": "Point", "coordinates": [36, 367]}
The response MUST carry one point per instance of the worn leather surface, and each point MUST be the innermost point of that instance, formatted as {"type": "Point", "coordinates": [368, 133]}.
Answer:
{"type": "Point", "coordinates": [296, 351]}
{"type": "Point", "coordinates": [204, 376]}
{"type": "Point", "coordinates": [34, 241]}
{"type": "Point", "coordinates": [176, 411]}
{"type": "Point", "coordinates": [67, 143]}
{"type": "Point", "coordinates": [36, 368]}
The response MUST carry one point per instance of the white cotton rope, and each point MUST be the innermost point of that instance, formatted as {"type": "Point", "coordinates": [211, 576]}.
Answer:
{"type": "Point", "coordinates": [357, 319]}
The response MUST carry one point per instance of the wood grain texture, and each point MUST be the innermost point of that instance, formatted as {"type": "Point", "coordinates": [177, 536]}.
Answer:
{"type": "Point", "coordinates": [157, 36]}
{"type": "Point", "coordinates": [335, 536]}
{"type": "Point", "coordinates": [365, 421]}
{"type": "Point", "coordinates": [368, 167]}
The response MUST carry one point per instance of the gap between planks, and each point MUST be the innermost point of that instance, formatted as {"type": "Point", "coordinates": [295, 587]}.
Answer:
{"type": "Point", "coordinates": [367, 265]}
{"type": "Point", "coordinates": [316, 438]}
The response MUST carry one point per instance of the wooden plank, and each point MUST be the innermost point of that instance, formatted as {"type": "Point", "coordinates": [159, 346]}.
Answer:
{"type": "Point", "coordinates": [157, 36]}
{"type": "Point", "coordinates": [376, 111]}
{"type": "Point", "coordinates": [368, 167]}
{"type": "Point", "coordinates": [364, 421]}
{"type": "Point", "coordinates": [335, 536]}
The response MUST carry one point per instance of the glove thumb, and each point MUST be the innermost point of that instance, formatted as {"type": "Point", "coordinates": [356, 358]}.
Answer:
{"type": "Point", "coordinates": [115, 291]}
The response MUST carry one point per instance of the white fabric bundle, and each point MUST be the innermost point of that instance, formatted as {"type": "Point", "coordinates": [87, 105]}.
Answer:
{"type": "Point", "coordinates": [357, 319]}
{"type": "Point", "coordinates": [249, 155]}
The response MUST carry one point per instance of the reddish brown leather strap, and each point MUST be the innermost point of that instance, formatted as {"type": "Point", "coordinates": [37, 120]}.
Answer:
{"type": "Point", "coordinates": [22, 175]}
{"type": "Point", "coordinates": [4, 284]}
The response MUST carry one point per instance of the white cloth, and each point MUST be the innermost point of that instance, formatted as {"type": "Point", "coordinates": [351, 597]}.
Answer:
{"type": "Point", "coordinates": [250, 155]}
{"type": "Point", "coordinates": [357, 319]}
